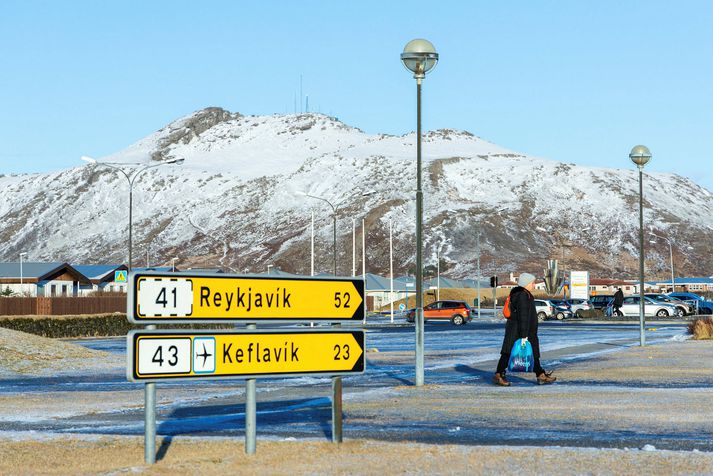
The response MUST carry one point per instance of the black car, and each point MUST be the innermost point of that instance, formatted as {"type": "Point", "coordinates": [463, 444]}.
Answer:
{"type": "Point", "coordinates": [600, 301]}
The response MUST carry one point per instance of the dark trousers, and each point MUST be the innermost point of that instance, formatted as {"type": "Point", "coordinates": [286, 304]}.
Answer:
{"type": "Point", "coordinates": [505, 359]}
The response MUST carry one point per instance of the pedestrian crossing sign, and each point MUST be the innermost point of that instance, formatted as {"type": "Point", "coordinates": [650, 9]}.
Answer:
{"type": "Point", "coordinates": [120, 276]}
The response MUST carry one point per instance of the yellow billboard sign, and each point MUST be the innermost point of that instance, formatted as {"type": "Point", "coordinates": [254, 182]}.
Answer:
{"type": "Point", "coordinates": [162, 355]}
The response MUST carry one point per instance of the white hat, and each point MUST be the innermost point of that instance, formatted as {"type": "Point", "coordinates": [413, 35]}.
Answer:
{"type": "Point", "coordinates": [525, 279]}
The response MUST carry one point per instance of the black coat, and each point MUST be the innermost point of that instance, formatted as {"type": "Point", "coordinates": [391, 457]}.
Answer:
{"type": "Point", "coordinates": [522, 322]}
{"type": "Point", "coordinates": [618, 298]}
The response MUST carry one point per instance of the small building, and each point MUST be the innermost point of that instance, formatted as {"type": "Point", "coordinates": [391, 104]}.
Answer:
{"type": "Point", "coordinates": [36, 279]}
{"type": "Point", "coordinates": [103, 278]}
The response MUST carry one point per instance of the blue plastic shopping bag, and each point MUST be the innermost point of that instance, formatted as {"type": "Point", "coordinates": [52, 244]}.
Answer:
{"type": "Point", "coordinates": [521, 358]}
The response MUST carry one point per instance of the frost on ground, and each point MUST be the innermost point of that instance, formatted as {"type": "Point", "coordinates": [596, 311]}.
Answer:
{"type": "Point", "coordinates": [182, 455]}
{"type": "Point", "coordinates": [29, 354]}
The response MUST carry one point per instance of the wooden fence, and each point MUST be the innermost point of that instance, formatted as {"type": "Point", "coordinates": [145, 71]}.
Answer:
{"type": "Point", "coordinates": [61, 306]}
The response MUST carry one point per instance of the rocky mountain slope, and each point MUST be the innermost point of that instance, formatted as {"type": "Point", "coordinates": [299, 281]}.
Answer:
{"type": "Point", "coordinates": [236, 203]}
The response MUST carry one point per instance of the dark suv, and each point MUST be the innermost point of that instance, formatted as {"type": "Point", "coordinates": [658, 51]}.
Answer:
{"type": "Point", "coordinates": [458, 312]}
{"type": "Point", "coordinates": [600, 301]}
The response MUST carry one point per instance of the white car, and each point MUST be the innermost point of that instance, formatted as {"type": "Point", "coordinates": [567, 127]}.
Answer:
{"type": "Point", "coordinates": [651, 308]}
{"type": "Point", "coordinates": [544, 309]}
{"type": "Point", "coordinates": [685, 307]}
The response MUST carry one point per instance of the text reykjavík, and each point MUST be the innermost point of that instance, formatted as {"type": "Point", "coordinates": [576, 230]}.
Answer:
{"type": "Point", "coordinates": [179, 297]}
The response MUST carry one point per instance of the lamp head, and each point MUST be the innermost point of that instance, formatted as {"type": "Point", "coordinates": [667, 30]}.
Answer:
{"type": "Point", "coordinates": [419, 57]}
{"type": "Point", "coordinates": [640, 155]}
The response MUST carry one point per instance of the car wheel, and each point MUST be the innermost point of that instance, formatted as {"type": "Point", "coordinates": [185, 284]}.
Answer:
{"type": "Point", "coordinates": [541, 316]}
{"type": "Point", "coordinates": [618, 314]}
{"type": "Point", "coordinates": [559, 316]}
{"type": "Point", "coordinates": [662, 313]}
{"type": "Point", "coordinates": [680, 312]}
{"type": "Point", "coordinates": [578, 313]}
{"type": "Point", "coordinates": [457, 320]}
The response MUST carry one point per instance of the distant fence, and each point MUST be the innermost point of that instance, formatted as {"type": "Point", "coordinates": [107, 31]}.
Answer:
{"type": "Point", "coordinates": [61, 306]}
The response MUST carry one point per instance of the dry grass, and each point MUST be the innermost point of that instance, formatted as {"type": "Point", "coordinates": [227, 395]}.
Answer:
{"type": "Point", "coordinates": [701, 329]}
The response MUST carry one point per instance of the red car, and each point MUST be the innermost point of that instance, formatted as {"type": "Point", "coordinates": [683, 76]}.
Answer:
{"type": "Point", "coordinates": [458, 312]}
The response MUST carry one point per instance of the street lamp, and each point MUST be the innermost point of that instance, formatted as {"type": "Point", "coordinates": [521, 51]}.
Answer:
{"type": "Point", "coordinates": [419, 57]}
{"type": "Point", "coordinates": [131, 179]}
{"type": "Point", "coordinates": [641, 155]}
{"type": "Point", "coordinates": [334, 225]}
{"type": "Point", "coordinates": [149, 388]}
{"type": "Point", "coordinates": [22, 255]}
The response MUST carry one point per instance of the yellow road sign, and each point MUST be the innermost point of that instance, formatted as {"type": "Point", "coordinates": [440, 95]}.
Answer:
{"type": "Point", "coordinates": [168, 355]}
{"type": "Point", "coordinates": [185, 297]}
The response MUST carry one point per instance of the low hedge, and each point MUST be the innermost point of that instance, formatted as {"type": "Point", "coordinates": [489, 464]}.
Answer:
{"type": "Point", "coordinates": [103, 325]}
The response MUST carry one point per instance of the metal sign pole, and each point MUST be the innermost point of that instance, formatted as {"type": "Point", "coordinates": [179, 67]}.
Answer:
{"type": "Point", "coordinates": [150, 419]}
{"type": "Point", "coordinates": [250, 412]}
{"type": "Point", "coordinates": [337, 407]}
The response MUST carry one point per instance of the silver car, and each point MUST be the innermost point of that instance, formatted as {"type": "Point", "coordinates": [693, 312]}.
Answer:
{"type": "Point", "coordinates": [630, 307]}
{"type": "Point", "coordinates": [685, 307]}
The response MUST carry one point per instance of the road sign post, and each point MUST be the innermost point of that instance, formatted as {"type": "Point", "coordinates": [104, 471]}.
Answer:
{"type": "Point", "coordinates": [176, 298]}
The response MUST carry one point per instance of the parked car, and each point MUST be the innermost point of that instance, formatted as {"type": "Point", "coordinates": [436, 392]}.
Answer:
{"type": "Point", "coordinates": [686, 308]}
{"type": "Point", "coordinates": [600, 301]}
{"type": "Point", "coordinates": [563, 310]}
{"type": "Point", "coordinates": [544, 309]}
{"type": "Point", "coordinates": [651, 307]}
{"type": "Point", "coordinates": [704, 307]}
{"type": "Point", "coordinates": [458, 312]}
{"type": "Point", "coordinates": [579, 305]}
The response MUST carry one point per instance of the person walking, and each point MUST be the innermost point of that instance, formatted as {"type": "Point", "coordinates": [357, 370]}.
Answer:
{"type": "Point", "coordinates": [618, 301]}
{"type": "Point", "coordinates": [522, 324]}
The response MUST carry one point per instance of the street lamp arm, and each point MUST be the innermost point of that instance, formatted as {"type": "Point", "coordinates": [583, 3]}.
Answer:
{"type": "Point", "coordinates": [334, 209]}
{"type": "Point", "coordinates": [104, 164]}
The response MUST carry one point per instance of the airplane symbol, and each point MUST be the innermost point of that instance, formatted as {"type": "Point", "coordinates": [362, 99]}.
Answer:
{"type": "Point", "coordinates": [205, 355]}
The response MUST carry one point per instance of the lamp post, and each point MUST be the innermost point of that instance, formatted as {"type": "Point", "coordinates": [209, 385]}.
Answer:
{"type": "Point", "coordinates": [391, 267]}
{"type": "Point", "coordinates": [419, 57]}
{"type": "Point", "coordinates": [641, 155]}
{"type": "Point", "coordinates": [22, 255]}
{"type": "Point", "coordinates": [131, 178]}
{"type": "Point", "coordinates": [477, 247]}
{"type": "Point", "coordinates": [334, 225]}
{"type": "Point", "coordinates": [149, 388]}
{"type": "Point", "coordinates": [336, 381]}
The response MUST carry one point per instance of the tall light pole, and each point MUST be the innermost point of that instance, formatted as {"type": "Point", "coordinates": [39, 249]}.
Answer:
{"type": "Point", "coordinates": [477, 246]}
{"type": "Point", "coordinates": [353, 246]}
{"type": "Point", "coordinates": [334, 225]}
{"type": "Point", "coordinates": [391, 267]}
{"type": "Point", "coordinates": [149, 388]}
{"type": "Point", "coordinates": [22, 255]}
{"type": "Point", "coordinates": [670, 250]}
{"type": "Point", "coordinates": [641, 155]}
{"type": "Point", "coordinates": [419, 57]}
{"type": "Point", "coordinates": [131, 178]}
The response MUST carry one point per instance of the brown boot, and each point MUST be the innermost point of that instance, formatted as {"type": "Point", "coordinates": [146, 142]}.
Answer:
{"type": "Point", "coordinates": [545, 378]}
{"type": "Point", "coordinates": [499, 379]}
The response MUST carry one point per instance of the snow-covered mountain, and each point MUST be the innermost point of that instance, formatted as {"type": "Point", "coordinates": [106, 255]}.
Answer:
{"type": "Point", "coordinates": [235, 203]}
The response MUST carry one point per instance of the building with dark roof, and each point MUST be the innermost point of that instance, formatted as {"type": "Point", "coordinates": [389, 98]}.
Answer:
{"type": "Point", "coordinates": [41, 279]}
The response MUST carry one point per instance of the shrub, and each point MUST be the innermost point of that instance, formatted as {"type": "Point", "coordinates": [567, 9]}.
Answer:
{"type": "Point", "coordinates": [701, 328]}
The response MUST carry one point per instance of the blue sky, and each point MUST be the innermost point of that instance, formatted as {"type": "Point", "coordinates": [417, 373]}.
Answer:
{"type": "Point", "coordinates": [578, 82]}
